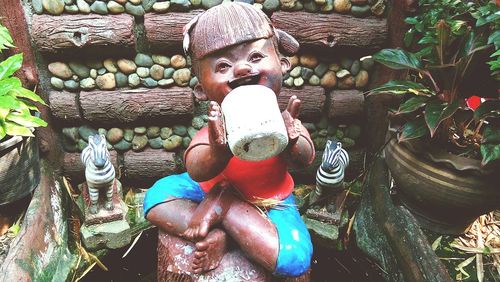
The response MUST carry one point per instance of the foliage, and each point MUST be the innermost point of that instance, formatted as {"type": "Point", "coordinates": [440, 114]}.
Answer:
{"type": "Point", "coordinates": [16, 102]}
{"type": "Point", "coordinates": [448, 42]}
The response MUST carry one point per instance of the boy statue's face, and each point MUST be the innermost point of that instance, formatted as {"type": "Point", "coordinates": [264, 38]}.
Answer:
{"type": "Point", "coordinates": [253, 62]}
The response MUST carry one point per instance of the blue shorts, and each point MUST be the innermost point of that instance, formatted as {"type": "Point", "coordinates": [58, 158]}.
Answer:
{"type": "Point", "coordinates": [295, 251]}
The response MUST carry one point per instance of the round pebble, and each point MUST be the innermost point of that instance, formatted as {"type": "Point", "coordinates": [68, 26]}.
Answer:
{"type": "Point", "coordinates": [87, 83]}
{"type": "Point", "coordinates": [143, 72]}
{"type": "Point", "coordinates": [180, 5]}
{"type": "Point", "coordinates": [298, 82]}
{"type": "Point", "coordinates": [178, 61]}
{"type": "Point", "coordinates": [82, 145]}
{"type": "Point", "coordinates": [172, 143]}
{"type": "Point", "coordinates": [153, 131]}
{"type": "Point", "coordinates": [360, 11]}
{"type": "Point", "coordinates": [355, 67]}
{"type": "Point", "coordinates": [57, 83]}
{"type": "Point", "coordinates": [95, 64]}
{"type": "Point", "coordinates": [271, 5]}
{"type": "Point", "coordinates": [346, 83]}
{"type": "Point", "coordinates": [161, 7]}
{"type": "Point", "coordinates": [161, 60]}
{"type": "Point", "coordinates": [148, 4]}
{"type": "Point", "coordinates": [314, 80]}
{"type": "Point", "coordinates": [123, 145]}
{"type": "Point", "coordinates": [192, 132]}
{"type": "Point", "coordinates": [186, 141]}
{"type": "Point", "coordinates": [342, 6]}
{"type": "Point", "coordinates": [140, 130]}
{"type": "Point", "coordinates": [37, 6]}
{"type": "Point", "coordinates": [156, 143]}
{"type": "Point", "coordinates": [321, 69]}
{"type": "Point", "coordinates": [180, 130]}
{"type": "Point", "coordinates": [182, 77]}
{"type": "Point", "coordinates": [114, 135]}
{"type": "Point", "coordinates": [165, 132]}
{"type": "Point", "coordinates": [367, 62]}
{"type": "Point", "coordinates": [334, 67]}
{"type": "Point", "coordinates": [294, 61]}
{"type": "Point", "coordinates": [93, 73]}
{"type": "Point", "coordinates": [126, 66]}
{"type": "Point", "coordinates": [156, 72]}
{"type": "Point", "coordinates": [53, 7]}
{"type": "Point", "coordinates": [79, 69]}
{"type": "Point", "coordinates": [149, 82]}
{"type": "Point", "coordinates": [327, 7]}
{"type": "Point", "coordinates": [110, 66]}
{"type": "Point", "coordinates": [71, 9]}
{"type": "Point", "coordinates": [85, 131]}
{"type": "Point", "coordinates": [343, 73]}
{"type": "Point", "coordinates": [83, 6]}
{"type": "Point", "coordinates": [309, 61]}
{"type": "Point", "coordinates": [101, 71]}
{"type": "Point", "coordinates": [311, 6]}
{"type": "Point", "coordinates": [361, 79]}
{"type": "Point", "coordinates": [60, 70]}
{"type": "Point", "coordinates": [134, 80]}
{"type": "Point", "coordinates": [197, 122]}
{"type": "Point", "coordinates": [378, 8]}
{"type": "Point", "coordinates": [121, 79]}
{"type": "Point", "coordinates": [106, 81]}
{"type": "Point", "coordinates": [143, 60]}
{"type": "Point", "coordinates": [296, 71]}
{"type": "Point", "coordinates": [166, 82]}
{"type": "Point", "coordinates": [193, 82]}
{"type": "Point", "coordinates": [289, 82]}
{"type": "Point", "coordinates": [329, 80]}
{"type": "Point", "coordinates": [136, 10]}
{"type": "Point", "coordinates": [128, 134]}
{"type": "Point", "coordinates": [346, 63]}
{"type": "Point", "coordinates": [287, 4]}
{"type": "Point", "coordinates": [306, 73]}
{"type": "Point", "coordinates": [99, 7]}
{"type": "Point", "coordinates": [168, 73]}
{"type": "Point", "coordinates": [71, 133]}
{"type": "Point", "coordinates": [207, 4]}
{"type": "Point", "coordinates": [135, 2]}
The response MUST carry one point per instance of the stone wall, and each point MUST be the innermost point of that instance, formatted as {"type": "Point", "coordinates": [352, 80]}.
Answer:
{"type": "Point", "coordinates": [117, 68]}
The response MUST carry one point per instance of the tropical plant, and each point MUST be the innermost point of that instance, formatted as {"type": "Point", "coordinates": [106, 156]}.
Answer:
{"type": "Point", "coordinates": [452, 41]}
{"type": "Point", "coordinates": [17, 110]}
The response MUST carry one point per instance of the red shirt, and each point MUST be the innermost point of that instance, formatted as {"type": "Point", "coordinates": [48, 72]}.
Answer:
{"type": "Point", "coordinates": [267, 179]}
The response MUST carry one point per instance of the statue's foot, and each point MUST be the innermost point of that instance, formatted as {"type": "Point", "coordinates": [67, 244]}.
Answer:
{"type": "Point", "coordinates": [109, 205]}
{"type": "Point", "coordinates": [93, 208]}
{"type": "Point", "coordinates": [209, 251]}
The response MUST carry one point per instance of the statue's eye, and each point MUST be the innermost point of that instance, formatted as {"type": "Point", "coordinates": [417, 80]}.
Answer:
{"type": "Point", "coordinates": [256, 57]}
{"type": "Point", "coordinates": [222, 67]}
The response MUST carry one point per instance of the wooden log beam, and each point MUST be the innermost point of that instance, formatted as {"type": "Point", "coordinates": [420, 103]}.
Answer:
{"type": "Point", "coordinates": [149, 164]}
{"type": "Point", "coordinates": [312, 97]}
{"type": "Point", "coordinates": [142, 104]}
{"type": "Point", "coordinates": [346, 104]}
{"type": "Point", "coordinates": [165, 30]}
{"type": "Point", "coordinates": [329, 30]}
{"type": "Point", "coordinates": [64, 106]}
{"type": "Point", "coordinates": [74, 169]}
{"type": "Point", "coordinates": [325, 30]}
{"type": "Point", "coordinates": [53, 34]}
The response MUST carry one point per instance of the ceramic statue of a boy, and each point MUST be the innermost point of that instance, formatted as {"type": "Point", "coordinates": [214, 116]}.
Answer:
{"type": "Point", "coordinates": [221, 195]}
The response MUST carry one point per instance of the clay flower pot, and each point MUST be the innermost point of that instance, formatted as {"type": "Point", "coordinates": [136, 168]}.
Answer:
{"type": "Point", "coordinates": [445, 192]}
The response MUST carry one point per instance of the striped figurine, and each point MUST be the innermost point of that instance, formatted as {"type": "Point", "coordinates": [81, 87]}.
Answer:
{"type": "Point", "coordinates": [99, 171]}
{"type": "Point", "coordinates": [330, 174]}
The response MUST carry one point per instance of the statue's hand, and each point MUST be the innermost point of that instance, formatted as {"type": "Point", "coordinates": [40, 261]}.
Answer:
{"type": "Point", "coordinates": [216, 128]}
{"type": "Point", "coordinates": [292, 124]}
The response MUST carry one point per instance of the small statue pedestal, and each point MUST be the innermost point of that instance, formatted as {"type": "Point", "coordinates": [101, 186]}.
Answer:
{"type": "Point", "coordinates": [174, 264]}
{"type": "Point", "coordinates": [106, 228]}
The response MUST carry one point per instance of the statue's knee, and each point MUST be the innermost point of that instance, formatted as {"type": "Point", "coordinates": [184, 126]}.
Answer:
{"type": "Point", "coordinates": [294, 260]}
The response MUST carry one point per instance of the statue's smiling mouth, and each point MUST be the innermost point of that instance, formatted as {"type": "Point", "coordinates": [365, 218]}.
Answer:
{"type": "Point", "coordinates": [251, 79]}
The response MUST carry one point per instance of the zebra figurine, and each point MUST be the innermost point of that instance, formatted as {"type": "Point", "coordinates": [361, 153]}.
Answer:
{"type": "Point", "coordinates": [99, 171]}
{"type": "Point", "coordinates": [330, 174]}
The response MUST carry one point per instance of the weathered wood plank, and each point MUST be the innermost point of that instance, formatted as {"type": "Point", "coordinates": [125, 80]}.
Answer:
{"type": "Point", "coordinates": [326, 30]}
{"type": "Point", "coordinates": [329, 30]}
{"type": "Point", "coordinates": [53, 34]}
{"type": "Point", "coordinates": [64, 105]}
{"type": "Point", "coordinates": [148, 164]}
{"type": "Point", "coordinates": [142, 104]}
{"type": "Point", "coordinates": [346, 104]}
{"type": "Point", "coordinates": [312, 97]}
{"type": "Point", "coordinates": [165, 30]}
{"type": "Point", "coordinates": [74, 169]}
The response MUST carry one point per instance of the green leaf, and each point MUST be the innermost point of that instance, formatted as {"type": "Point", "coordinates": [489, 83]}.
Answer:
{"type": "Point", "coordinates": [9, 103]}
{"type": "Point", "coordinates": [402, 87]}
{"type": "Point", "coordinates": [413, 129]}
{"type": "Point", "coordinates": [491, 135]}
{"type": "Point", "coordinates": [490, 152]}
{"type": "Point", "coordinates": [8, 84]}
{"type": "Point", "coordinates": [410, 20]}
{"type": "Point", "coordinates": [436, 243]}
{"type": "Point", "coordinates": [412, 104]}
{"type": "Point", "coordinates": [10, 65]}
{"type": "Point", "coordinates": [435, 113]}
{"type": "Point", "coordinates": [398, 59]}
{"type": "Point", "coordinates": [2, 131]}
{"type": "Point", "coordinates": [15, 129]}
{"type": "Point", "coordinates": [494, 39]}
{"type": "Point", "coordinates": [488, 108]}
{"type": "Point", "coordinates": [3, 114]}
{"type": "Point", "coordinates": [408, 38]}
{"type": "Point", "coordinates": [28, 94]}
{"type": "Point", "coordinates": [26, 120]}
{"type": "Point", "coordinates": [5, 38]}
{"type": "Point", "coordinates": [443, 35]}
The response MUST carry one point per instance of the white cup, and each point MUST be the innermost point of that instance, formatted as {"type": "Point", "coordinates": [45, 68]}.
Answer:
{"type": "Point", "coordinates": [254, 126]}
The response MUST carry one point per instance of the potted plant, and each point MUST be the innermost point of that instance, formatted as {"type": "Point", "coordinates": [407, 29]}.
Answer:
{"type": "Point", "coordinates": [445, 154]}
{"type": "Point", "coordinates": [19, 168]}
